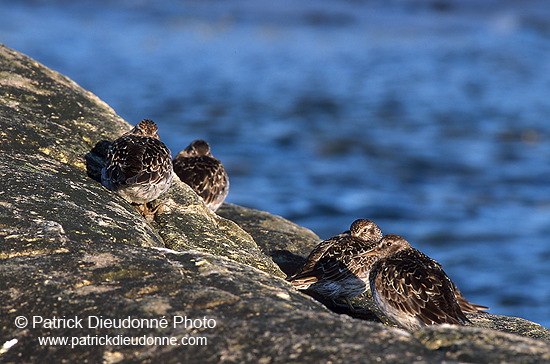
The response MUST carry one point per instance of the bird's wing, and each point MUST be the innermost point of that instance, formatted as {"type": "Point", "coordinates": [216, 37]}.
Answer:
{"type": "Point", "coordinates": [417, 290]}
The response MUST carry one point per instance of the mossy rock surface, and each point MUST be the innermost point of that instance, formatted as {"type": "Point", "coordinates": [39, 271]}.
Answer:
{"type": "Point", "coordinates": [71, 248]}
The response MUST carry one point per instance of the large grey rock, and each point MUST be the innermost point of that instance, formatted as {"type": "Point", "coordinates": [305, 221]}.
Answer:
{"type": "Point", "coordinates": [285, 242]}
{"type": "Point", "coordinates": [257, 318]}
{"type": "Point", "coordinates": [465, 344]}
{"type": "Point", "coordinates": [69, 247]}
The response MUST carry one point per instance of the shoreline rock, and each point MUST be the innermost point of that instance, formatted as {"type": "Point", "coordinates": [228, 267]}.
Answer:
{"type": "Point", "coordinates": [69, 247]}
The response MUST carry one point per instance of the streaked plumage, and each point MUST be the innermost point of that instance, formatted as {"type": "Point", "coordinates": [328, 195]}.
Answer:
{"type": "Point", "coordinates": [205, 174]}
{"type": "Point", "coordinates": [336, 268]}
{"type": "Point", "coordinates": [138, 166]}
{"type": "Point", "coordinates": [411, 289]}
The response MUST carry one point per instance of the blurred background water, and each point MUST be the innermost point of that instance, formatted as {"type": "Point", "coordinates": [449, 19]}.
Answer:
{"type": "Point", "coordinates": [429, 117]}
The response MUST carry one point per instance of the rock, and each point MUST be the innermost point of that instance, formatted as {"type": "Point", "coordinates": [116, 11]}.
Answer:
{"type": "Point", "coordinates": [285, 242]}
{"type": "Point", "coordinates": [513, 325]}
{"type": "Point", "coordinates": [253, 316]}
{"type": "Point", "coordinates": [46, 204]}
{"type": "Point", "coordinates": [464, 344]}
{"type": "Point", "coordinates": [73, 252]}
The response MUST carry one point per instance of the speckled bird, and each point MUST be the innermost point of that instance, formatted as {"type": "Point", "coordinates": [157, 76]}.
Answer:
{"type": "Point", "coordinates": [205, 174]}
{"type": "Point", "coordinates": [337, 268]}
{"type": "Point", "coordinates": [139, 166]}
{"type": "Point", "coordinates": [412, 289]}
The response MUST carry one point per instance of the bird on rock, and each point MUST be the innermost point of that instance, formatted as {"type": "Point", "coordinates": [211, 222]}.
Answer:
{"type": "Point", "coordinates": [205, 174]}
{"type": "Point", "coordinates": [337, 268]}
{"type": "Point", "coordinates": [139, 166]}
{"type": "Point", "coordinates": [412, 289]}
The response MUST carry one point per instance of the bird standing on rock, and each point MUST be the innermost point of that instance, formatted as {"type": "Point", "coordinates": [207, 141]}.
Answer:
{"type": "Point", "coordinates": [139, 166]}
{"type": "Point", "coordinates": [205, 174]}
{"type": "Point", "coordinates": [337, 268]}
{"type": "Point", "coordinates": [412, 289]}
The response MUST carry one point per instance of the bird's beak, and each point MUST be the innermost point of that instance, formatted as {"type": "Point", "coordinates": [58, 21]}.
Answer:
{"type": "Point", "coordinates": [369, 252]}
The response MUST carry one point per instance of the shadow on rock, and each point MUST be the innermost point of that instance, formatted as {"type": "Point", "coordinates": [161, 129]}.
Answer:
{"type": "Point", "coordinates": [95, 159]}
{"type": "Point", "coordinates": [287, 261]}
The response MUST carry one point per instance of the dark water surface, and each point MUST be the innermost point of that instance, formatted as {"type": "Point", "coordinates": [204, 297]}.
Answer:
{"type": "Point", "coordinates": [429, 117]}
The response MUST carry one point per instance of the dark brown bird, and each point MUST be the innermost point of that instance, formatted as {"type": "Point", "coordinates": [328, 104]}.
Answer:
{"type": "Point", "coordinates": [139, 166]}
{"type": "Point", "coordinates": [337, 268]}
{"type": "Point", "coordinates": [205, 174]}
{"type": "Point", "coordinates": [412, 289]}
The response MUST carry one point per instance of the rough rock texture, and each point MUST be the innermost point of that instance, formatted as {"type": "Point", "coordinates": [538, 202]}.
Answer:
{"type": "Point", "coordinates": [69, 248]}
{"type": "Point", "coordinates": [285, 242]}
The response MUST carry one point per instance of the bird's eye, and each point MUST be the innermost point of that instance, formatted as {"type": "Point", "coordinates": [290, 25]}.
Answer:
{"type": "Point", "coordinates": [388, 243]}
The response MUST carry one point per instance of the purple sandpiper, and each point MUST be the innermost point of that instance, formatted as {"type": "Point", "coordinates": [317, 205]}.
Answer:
{"type": "Point", "coordinates": [205, 174]}
{"type": "Point", "coordinates": [139, 166]}
{"type": "Point", "coordinates": [337, 268]}
{"type": "Point", "coordinates": [412, 289]}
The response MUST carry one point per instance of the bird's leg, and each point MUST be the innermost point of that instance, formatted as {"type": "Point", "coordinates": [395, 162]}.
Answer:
{"type": "Point", "coordinates": [160, 208]}
{"type": "Point", "coordinates": [347, 304]}
{"type": "Point", "coordinates": [351, 306]}
{"type": "Point", "coordinates": [141, 208]}
{"type": "Point", "coordinates": [144, 210]}
{"type": "Point", "coordinates": [151, 211]}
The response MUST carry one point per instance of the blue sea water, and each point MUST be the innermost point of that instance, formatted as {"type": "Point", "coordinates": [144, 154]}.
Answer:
{"type": "Point", "coordinates": [429, 117]}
